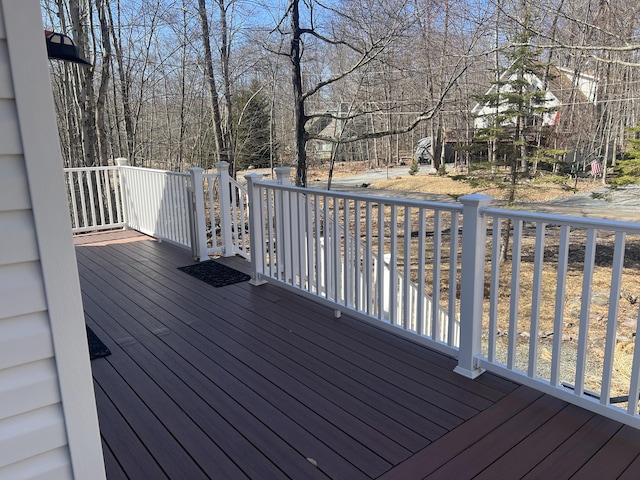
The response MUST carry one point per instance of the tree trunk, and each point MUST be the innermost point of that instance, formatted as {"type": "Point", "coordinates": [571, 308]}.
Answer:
{"type": "Point", "coordinates": [299, 117]}
{"type": "Point", "coordinates": [211, 82]}
{"type": "Point", "coordinates": [225, 53]}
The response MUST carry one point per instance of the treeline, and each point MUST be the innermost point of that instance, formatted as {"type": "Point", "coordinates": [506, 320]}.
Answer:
{"type": "Point", "coordinates": [178, 83]}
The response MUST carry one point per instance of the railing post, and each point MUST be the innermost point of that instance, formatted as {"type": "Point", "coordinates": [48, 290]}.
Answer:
{"type": "Point", "coordinates": [283, 175]}
{"type": "Point", "coordinates": [225, 209]}
{"type": "Point", "coordinates": [474, 232]}
{"type": "Point", "coordinates": [256, 240]}
{"type": "Point", "coordinates": [200, 223]}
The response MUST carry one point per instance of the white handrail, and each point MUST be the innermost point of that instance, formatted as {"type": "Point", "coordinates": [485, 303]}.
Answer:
{"type": "Point", "coordinates": [95, 198]}
{"type": "Point", "coordinates": [336, 246]}
{"type": "Point", "coordinates": [308, 242]}
{"type": "Point", "coordinates": [568, 361]}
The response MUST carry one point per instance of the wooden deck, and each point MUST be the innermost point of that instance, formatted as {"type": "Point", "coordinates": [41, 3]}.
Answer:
{"type": "Point", "coordinates": [255, 382]}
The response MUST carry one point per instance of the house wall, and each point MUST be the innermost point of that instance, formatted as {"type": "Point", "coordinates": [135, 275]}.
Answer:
{"type": "Point", "coordinates": [48, 420]}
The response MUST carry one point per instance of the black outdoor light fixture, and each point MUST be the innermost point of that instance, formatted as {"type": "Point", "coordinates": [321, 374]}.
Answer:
{"type": "Point", "coordinates": [61, 47]}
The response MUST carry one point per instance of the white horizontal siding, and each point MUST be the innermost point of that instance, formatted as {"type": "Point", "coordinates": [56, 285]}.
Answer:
{"type": "Point", "coordinates": [25, 339]}
{"type": "Point", "coordinates": [6, 87]}
{"type": "Point", "coordinates": [51, 465]}
{"type": "Point", "coordinates": [21, 289]}
{"type": "Point", "coordinates": [14, 190]}
{"type": "Point", "coordinates": [28, 387]}
{"type": "Point", "coordinates": [17, 237]}
{"type": "Point", "coordinates": [48, 420]}
{"type": "Point", "coordinates": [9, 133]}
{"type": "Point", "coordinates": [36, 432]}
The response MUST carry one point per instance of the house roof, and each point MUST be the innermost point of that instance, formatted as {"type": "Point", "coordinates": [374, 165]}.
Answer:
{"type": "Point", "coordinates": [564, 85]}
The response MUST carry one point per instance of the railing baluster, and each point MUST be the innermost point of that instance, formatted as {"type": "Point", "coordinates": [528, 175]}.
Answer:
{"type": "Point", "coordinates": [436, 327]}
{"type": "Point", "coordinates": [317, 252]}
{"type": "Point", "coordinates": [99, 194]}
{"type": "Point", "coordinates": [83, 203]}
{"type": "Point", "coordinates": [406, 282]}
{"type": "Point", "coordinates": [634, 386]}
{"type": "Point", "coordinates": [358, 265]}
{"type": "Point", "coordinates": [92, 202]}
{"type": "Point", "coordinates": [271, 234]}
{"type": "Point", "coordinates": [612, 318]}
{"type": "Point", "coordinates": [368, 259]}
{"type": "Point", "coordinates": [563, 259]}
{"type": "Point", "coordinates": [381, 300]}
{"type": "Point", "coordinates": [74, 205]}
{"type": "Point", "coordinates": [422, 235]}
{"type": "Point", "coordinates": [335, 252]}
{"type": "Point", "coordinates": [453, 334]}
{"type": "Point", "coordinates": [496, 237]}
{"type": "Point", "coordinates": [109, 195]}
{"type": "Point", "coordinates": [348, 263]}
{"type": "Point", "coordinates": [393, 267]}
{"type": "Point", "coordinates": [326, 228]}
{"type": "Point", "coordinates": [585, 310]}
{"type": "Point", "coordinates": [536, 298]}
{"type": "Point", "coordinates": [516, 254]}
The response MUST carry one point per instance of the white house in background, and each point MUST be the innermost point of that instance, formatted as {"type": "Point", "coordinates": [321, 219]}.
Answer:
{"type": "Point", "coordinates": [564, 87]}
{"type": "Point", "coordinates": [48, 419]}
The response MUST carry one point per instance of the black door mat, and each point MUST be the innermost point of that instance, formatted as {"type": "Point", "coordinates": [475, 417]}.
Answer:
{"type": "Point", "coordinates": [97, 349]}
{"type": "Point", "coordinates": [215, 274]}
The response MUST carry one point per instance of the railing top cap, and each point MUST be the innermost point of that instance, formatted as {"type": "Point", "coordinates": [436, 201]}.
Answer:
{"type": "Point", "coordinates": [475, 199]}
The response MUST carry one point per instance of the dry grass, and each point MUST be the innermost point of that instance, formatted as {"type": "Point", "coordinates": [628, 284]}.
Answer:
{"type": "Point", "coordinates": [542, 189]}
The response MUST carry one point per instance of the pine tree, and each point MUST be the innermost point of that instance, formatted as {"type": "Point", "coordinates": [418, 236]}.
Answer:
{"type": "Point", "coordinates": [518, 108]}
{"type": "Point", "coordinates": [628, 169]}
{"type": "Point", "coordinates": [251, 114]}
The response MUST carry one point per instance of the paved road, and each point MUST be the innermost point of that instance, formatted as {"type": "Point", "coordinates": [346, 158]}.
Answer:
{"type": "Point", "coordinates": [369, 177]}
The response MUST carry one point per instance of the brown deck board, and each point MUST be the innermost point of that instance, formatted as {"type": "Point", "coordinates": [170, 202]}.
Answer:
{"type": "Point", "coordinates": [319, 332]}
{"type": "Point", "coordinates": [358, 373]}
{"type": "Point", "coordinates": [258, 382]}
{"type": "Point", "coordinates": [538, 445]}
{"type": "Point", "coordinates": [614, 456]}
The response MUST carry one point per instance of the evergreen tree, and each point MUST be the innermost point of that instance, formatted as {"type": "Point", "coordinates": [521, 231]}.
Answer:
{"type": "Point", "coordinates": [518, 106]}
{"type": "Point", "coordinates": [628, 169]}
{"type": "Point", "coordinates": [251, 114]}
{"type": "Point", "coordinates": [513, 129]}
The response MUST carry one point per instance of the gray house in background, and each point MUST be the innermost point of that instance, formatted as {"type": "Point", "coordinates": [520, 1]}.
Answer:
{"type": "Point", "coordinates": [48, 420]}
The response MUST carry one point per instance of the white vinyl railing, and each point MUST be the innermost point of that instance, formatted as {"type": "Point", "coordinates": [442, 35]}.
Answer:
{"type": "Point", "coordinates": [391, 260]}
{"type": "Point", "coordinates": [95, 198]}
{"type": "Point", "coordinates": [224, 213]}
{"type": "Point", "coordinates": [207, 212]}
{"type": "Point", "coordinates": [158, 203]}
{"type": "Point", "coordinates": [405, 266]}
{"type": "Point", "coordinates": [336, 246]}
{"type": "Point", "coordinates": [584, 357]}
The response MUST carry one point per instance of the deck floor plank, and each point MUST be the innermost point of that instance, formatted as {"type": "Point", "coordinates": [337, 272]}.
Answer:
{"type": "Point", "coordinates": [353, 348]}
{"type": "Point", "coordinates": [258, 382]}
{"type": "Point", "coordinates": [182, 414]}
{"type": "Point", "coordinates": [567, 459]}
{"type": "Point", "coordinates": [614, 457]}
{"type": "Point", "coordinates": [538, 445]}
{"type": "Point", "coordinates": [355, 369]}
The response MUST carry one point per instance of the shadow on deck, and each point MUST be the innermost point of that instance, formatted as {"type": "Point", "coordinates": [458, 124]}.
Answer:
{"type": "Point", "coordinates": [255, 382]}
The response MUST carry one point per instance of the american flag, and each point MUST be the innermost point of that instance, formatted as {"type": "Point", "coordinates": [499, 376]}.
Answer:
{"type": "Point", "coordinates": [596, 168]}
